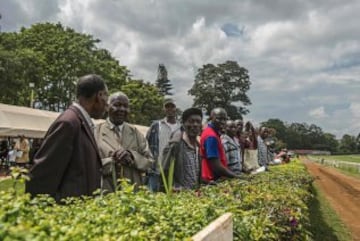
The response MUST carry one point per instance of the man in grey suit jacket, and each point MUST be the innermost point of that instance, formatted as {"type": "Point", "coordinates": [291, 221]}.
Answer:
{"type": "Point", "coordinates": [68, 163]}
{"type": "Point", "coordinates": [123, 149]}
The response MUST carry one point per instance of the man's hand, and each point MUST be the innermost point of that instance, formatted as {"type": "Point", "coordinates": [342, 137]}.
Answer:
{"type": "Point", "coordinates": [123, 157]}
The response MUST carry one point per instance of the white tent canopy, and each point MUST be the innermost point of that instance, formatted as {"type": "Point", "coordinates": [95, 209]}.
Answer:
{"type": "Point", "coordinates": [18, 120]}
{"type": "Point", "coordinates": [33, 123]}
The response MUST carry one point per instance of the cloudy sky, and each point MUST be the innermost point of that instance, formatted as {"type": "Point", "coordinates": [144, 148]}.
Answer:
{"type": "Point", "coordinates": [303, 56]}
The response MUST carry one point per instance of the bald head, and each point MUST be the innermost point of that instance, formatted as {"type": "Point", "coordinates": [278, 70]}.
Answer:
{"type": "Point", "coordinates": [218, 117]}
{"type": "Point", "coordinates": [230, 122]}
{"type": "Point", "coordinates": [217, 111]}
{"type": "Point", "coordinates": [239, 126]}
{"type": "Point", "coordinates": [117, 95]}
{"type": "Point", "coordinates": [231, 128]}
{"type": "Point", "coordinates": [118, 107]}
{"type": "Point", "coordinates": [264, 132]}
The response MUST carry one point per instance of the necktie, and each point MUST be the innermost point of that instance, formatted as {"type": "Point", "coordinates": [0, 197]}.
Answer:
{"type": "Point", "coordinates": [118, 133]}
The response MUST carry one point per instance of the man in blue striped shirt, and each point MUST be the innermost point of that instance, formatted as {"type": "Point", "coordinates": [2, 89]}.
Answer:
{"type": "Point", "coordinates": [263, 157]}
{"type": "Point", "coordinates": [232, 147]}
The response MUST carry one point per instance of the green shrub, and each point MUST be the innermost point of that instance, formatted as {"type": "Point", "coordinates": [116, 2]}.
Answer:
{"type": "Point", "coordinates": [268, 206]}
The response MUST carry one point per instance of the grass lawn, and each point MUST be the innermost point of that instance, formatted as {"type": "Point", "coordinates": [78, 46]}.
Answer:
{"type": "Point", "coordinates": [347, 170]}
{"type": "Point", "coordinates": [325, 224]}
{"type": "Point", "coordinates": [350, 172]}
{"type": "Point", "coordinates": [347, 158]}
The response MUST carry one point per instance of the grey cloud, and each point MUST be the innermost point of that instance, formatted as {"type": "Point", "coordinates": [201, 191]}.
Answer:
{"type": "Point", "coordinates": [301, 55]}
{"type": "Point", "coordinates": [17, 13]}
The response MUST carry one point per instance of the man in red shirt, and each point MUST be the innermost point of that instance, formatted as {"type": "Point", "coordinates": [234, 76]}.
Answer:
{"type": "Point", "coordinates": [214, 163]}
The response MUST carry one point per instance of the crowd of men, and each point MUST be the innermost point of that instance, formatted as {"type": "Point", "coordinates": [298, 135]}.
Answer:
{"type": "Point", "coordinates": [17, 151]}
{"type": "Point", "coordinates": [77, 157]}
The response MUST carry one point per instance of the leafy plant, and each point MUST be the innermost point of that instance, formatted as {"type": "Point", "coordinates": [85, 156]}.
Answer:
{"type": "Point", "coordinates": [268, 206]}
{"type": "Point", "coordinates": [19, 175]}
{"type": "Point", "coordinates": [169, 180]}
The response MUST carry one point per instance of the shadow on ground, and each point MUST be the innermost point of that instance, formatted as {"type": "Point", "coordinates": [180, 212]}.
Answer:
{"type": "Point", "coordinates": [320, 230]}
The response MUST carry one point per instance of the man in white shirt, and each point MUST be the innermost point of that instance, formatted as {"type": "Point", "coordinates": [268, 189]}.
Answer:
{"type": "Point", "coordinates": [158, 137]}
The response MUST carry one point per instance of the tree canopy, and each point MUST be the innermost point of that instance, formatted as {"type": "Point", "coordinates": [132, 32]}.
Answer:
{"type": "Point", "coordinates": [145, 102]}
{"type": "Point", "coordinates": [52, 57]}
{"type": "Point", "coordinates": [305, 136]}
{"type": "Point", "coordinates": [162, 81]}
{"type": "Point", "coordinates": [222, 85]}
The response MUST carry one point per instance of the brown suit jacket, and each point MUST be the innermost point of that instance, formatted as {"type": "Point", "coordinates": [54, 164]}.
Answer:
{"type": "Point", "coordinates": [68, 163]}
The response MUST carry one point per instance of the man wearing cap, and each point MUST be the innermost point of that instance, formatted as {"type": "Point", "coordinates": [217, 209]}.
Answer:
{"type": "Point", "coordinates": [183, 148]}
{"type": "Point", "coordinates": [158, 137]}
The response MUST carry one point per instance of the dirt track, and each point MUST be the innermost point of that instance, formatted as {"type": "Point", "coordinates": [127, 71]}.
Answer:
{"type": "Point", "coordinates": [343, 193]}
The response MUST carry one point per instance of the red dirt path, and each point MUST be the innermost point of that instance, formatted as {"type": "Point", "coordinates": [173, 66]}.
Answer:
{"type": "Point", "coordinates": [343, 193]}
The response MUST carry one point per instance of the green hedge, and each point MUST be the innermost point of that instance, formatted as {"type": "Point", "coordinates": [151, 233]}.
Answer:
{"type": "Point", "coordinates": [268, 206]}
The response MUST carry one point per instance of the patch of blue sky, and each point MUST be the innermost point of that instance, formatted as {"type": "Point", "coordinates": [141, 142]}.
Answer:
{"type": "Point", "coordinates": [232, 30]}
{"type": "Point", "coordinates": [346, 62]}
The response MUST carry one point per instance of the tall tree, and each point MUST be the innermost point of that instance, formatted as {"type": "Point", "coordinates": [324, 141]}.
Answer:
{"type": "Point", "coordinates": [55, 57]}
{"type": "Point", "coordinates": [17, 70]}
{"type": "Point", "coordinates": [279, 130]}
{"type": "Point", "coordinates": [302, 136]}
{"type": "Point", "coordinates": [223, 85]}
{"type": "Point", "coordinates": [278, 125]}
{"type": "Point", "coordinates": [162, 82]}
{"type": "Point", "coordinates": [358, 143]}
{"type": "Point", "coordinates": [330, 142]}
{"type": "Point", "coordinates": [348, 144]}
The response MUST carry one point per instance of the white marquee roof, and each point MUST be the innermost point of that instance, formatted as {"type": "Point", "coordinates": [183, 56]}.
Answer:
{"type": "Point", "coordinates": [33, 123]}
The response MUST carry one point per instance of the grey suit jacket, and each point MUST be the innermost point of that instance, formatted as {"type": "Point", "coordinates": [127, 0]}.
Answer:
{"type": "Point", "coordinates": [132, 140]}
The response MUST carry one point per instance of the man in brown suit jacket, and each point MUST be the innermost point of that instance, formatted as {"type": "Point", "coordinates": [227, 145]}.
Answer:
{"type": "Point", "coordinates": [68, 163]}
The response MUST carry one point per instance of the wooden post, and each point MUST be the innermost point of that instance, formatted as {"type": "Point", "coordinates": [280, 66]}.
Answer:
{"type": "Point", "coordinates": [221, 229]}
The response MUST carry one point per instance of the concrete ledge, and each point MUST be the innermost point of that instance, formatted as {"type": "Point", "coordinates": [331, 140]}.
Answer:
{"type": "Point", "coordinates": [221, 229]}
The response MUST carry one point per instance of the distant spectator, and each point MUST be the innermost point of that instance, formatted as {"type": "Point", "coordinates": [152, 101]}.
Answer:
{"type": "Point", "coordinates": [251, 164]}
{"type": "Point", "coordinates": [232, 148]}
{"type": "Point", "coordinates": [158, 137]}
{"type": "Point", "coordinates": [263, 152]}
{"type": "Point", "coordinates": [22, 147]}
{"type": "Point", "coordinates": [240, 137]}
{"type": "Point", "coordinates": [4, 148]}
{"type": "Point", "coordinates": [12, 154]}
{"type": "Point", "coordinates": [281, 157]}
